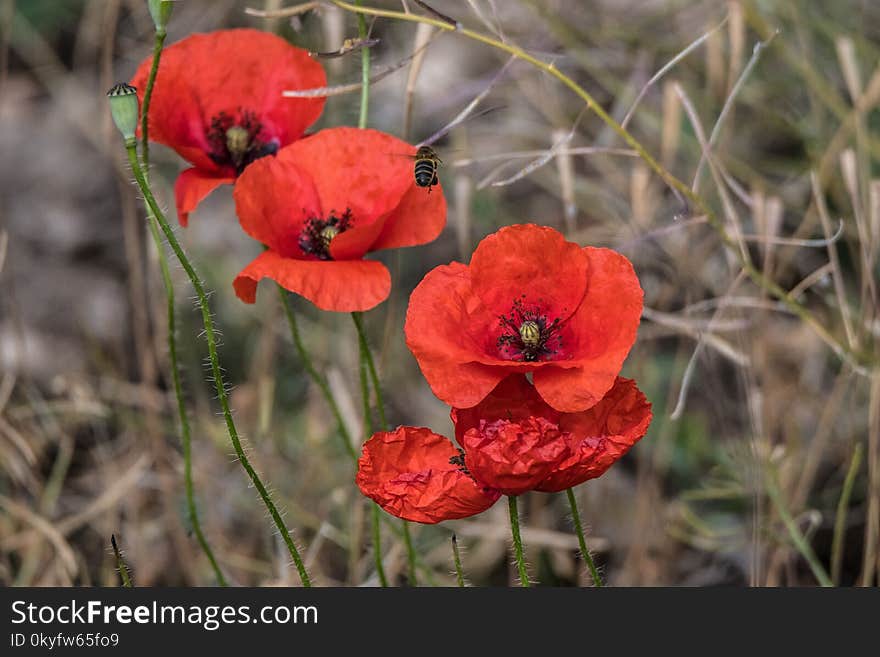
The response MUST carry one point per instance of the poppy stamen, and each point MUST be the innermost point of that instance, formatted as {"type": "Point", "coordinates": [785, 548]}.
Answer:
{"type": "Point", "coordinates": [318, 233]}
{"type": "Point", "coordinates": [236, 142]}
{"type": "Point", "coordinates": [528, 335]}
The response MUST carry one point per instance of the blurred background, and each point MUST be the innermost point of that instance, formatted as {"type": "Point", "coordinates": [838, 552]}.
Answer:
{"type": "Point", "coordinates": [764, 448]}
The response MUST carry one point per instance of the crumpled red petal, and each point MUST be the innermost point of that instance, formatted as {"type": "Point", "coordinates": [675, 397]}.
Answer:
{"type": "Point", "coordinates": [339, 286]}
{"type": "Point", "coordinates": [408, 473]}
{"type": "Point", "coordinates": [419, 218]}
{"type": "Point", "coordinates": [600, 436]}
{"type": "Point", "coordinates": [531, 262]}
{"type": "Point", "coordinates": [599, 335]}
{"type": "Point", "coordinates": [227, 71]}
{"type": "Point", "coordinates": [191, 188]}
{"type": "Point", "coordinates": [513, 399]}
{"type": "Point", "coordinates": [513, 456]}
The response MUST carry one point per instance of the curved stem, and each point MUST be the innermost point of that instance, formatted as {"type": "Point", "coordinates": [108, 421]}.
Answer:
{"type": "Point", "coordinates": [148, 96]}
{"type": "Point", "coordinates": [585, 553]}
{"type": "Point", "coordinates": [185, 434]}
{"type": "Point", "coordinates": [410, 554]}
{"type": "Point", "coordinates": [857, 359]}
{"type": "Point", "coordinates": [315, 375]}
{"type": "Point", "coordinates": [517, 542]}
{"type": "Point", "coordinates": [377, 544]}
{"type": "Point", "coordinates": [365, 71]}
{"type": "Point", "coordinates": [210, 336]}
{"type": "Point", "coordinates": [456, 558]}
{"type": "Point", "coordinates": [168, 284]}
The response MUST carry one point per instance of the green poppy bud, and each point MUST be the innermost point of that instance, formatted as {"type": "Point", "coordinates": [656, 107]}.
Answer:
{"type": "Point", "coordinates": [160, 10]}
{"type": "Point", "coordinates": [124, 108]}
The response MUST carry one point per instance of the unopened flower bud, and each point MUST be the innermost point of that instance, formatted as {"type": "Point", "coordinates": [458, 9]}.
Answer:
{"type": "Point", "coordinates": [124, 108]}
{"type": "Point", "coordinates": [160, 10]}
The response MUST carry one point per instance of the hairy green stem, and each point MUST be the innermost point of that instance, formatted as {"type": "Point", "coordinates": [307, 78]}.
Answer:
{"type": "Point", "coordinates": [368, 431]}
{"type": "Point", "coordinates": [365, 71]}
{"type": "Point", "coordinates": [858, 359]}
{"type": "Point", "coordinates": [319, 380]}
{"type": "Point", "coordinates": [148, 96]}
{"type": "Point", "coordinates": [217, 372]}
{"type": "Point", "coordinates": [367, 359]}
{"type": "Point", "coordinates": [517, 541]}
{"type": "Point", "coordinates": [456, 558]}
{"type": "Point", "coordinates": [120, 564]}
{"type": "Point", "coordinates": [185, 433]}
{"type": "Point", "coordinates": [585, 553]}
{"type": "Point", "coordinates": [168, 284]}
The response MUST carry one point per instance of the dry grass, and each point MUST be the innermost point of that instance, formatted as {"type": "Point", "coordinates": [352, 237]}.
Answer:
{"type": "Point", "coordinates": [756, 419]}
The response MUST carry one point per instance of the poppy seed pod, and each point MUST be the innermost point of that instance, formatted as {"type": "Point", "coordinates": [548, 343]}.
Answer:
{"type": "Point", "coordinates": [125, 108]}
{"type": "Point", "coordinates": [161, 10]}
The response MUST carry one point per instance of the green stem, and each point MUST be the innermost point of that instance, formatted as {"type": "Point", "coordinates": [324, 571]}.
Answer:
{"type": "Point", "coordinates": [368, 431]}
{"type": "Point", "coordinates": [517, 541]}
{"type": "Point", "coordinates": [185, 433]}
{"type": "Point", "coordinates": [410, 554]}
{"type": "Point", "coordinates": [367, 358]}
{"type": "Point", "coordinates": [585, 553]}
{"type": "Point", "coordinates": [456, 557]}
{"type": "Point", "coordinates": [377, 544]}
{"type": "Point", "coordinates": [315, 375]}
{"type": "Point", "coordinates": [148, 96]}
{"type": "Point", "coordinates": [859, 359]}
{"type": "Point", "coordinates": [840, 516]}
{"type": "Point", "coordinates": [120, 564]}
{"type": "Point", "coordinates": [210, 336]}
{"type": "Point", "coordinates": [800, 542]}
{"type": "Point", "coordinates": [371, 367]}
{"type": "Point", "coordinates": [365, 71]}
{"type": "Point", "coordinates": [167, 283]}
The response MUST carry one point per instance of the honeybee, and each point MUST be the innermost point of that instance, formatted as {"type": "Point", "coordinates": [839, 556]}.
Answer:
{"type": "Point", "coordinates": [426, 167]}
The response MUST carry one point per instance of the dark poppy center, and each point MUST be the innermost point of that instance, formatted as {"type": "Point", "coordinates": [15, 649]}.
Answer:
{"type": "Point", "coordinates": [237, 140]}
{"type": "Point", "coordinates": [318, 233]}
{"type": "Point", "coordinates": [528, 335]}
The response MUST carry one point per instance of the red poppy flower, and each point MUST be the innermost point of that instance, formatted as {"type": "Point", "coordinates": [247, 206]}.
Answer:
{"type": "Point", "coordinates": [528, 302]}
{"type": "Point", "coordinates": [325, 201]}
{"type": "Point", "coordinates": [514, 442]}
{"type": "Point", "coordinates": [416, 474]}
{"type": "Point", "coordinates": [217, 102]}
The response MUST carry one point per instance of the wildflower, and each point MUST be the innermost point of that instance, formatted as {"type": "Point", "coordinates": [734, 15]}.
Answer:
{"type": "Point", "coordinates": [528, 302]}
{"type": "Point", "coordinates": [415, 474]}
{"type": "Point", "coordinates": [512, 442]}
{"type": "Point", "coordinates": [217, 102]}
{"type": "Point", "coordinates": [324, 202]}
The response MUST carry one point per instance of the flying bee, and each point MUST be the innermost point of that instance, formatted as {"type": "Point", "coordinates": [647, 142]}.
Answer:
{"type": "Point", "coordinates": [426, 167]}
{"type": "Point", "coordinates": [427, 163]}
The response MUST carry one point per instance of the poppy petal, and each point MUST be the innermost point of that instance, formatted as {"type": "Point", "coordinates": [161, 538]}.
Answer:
{"type": "Point", "coordinates": [514, 456]}
{"type": "Point", "coordinates": [205, 75]}
{"type": "Point", "coordinates": [364, 171]}
{"type": "Point", "coordinates": [513, 399]}
{"type": "Point", "coordinates": [273, 200]}
{"type": "Point", "coordinates": [191, 188]}
{"type": "Point", "coordinates": [601, 435]}
{"type": "Point", "coordinates": [532, 263]}
{"type": "Point", "coordinates": [409, 473]}
{"type": "Point", "coordinates": [601, 333]}
{"type": "Point", "coordinates": [341, 286]}
{"type": "Point", "coordinates": [437, 333]}
{"type": "Point", "coordinates": [418, 219]}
